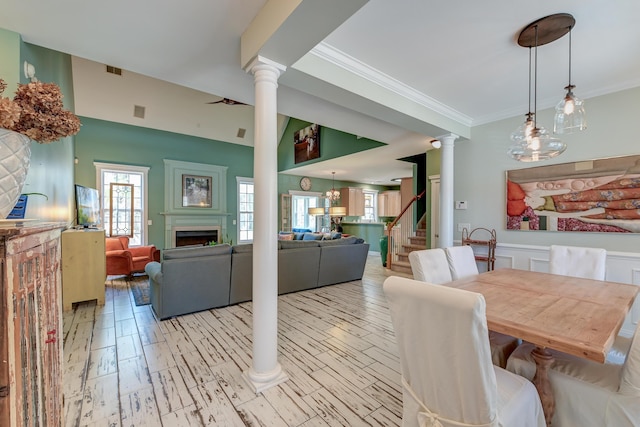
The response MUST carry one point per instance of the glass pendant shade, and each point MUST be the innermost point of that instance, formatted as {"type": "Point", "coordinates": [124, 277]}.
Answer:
{"type": "Point", "coordinates": [570, 114]}
{"type": "Point", "coordinates": [534, 145]}
{"type": "Point", "coordinates": [523, 131]}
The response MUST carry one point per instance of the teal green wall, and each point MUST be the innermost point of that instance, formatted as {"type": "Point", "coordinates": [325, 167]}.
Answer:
{"type": "Point", "coordinates": [110, 142]}
{"type": "Point", "coordinates": [9, 61]}
{"type": "Point", "coordinates": [371, 233]}
{"type": "Point", "coordinates": [333, 143]}
{"type": "Point", "coordinates": [51, 169]}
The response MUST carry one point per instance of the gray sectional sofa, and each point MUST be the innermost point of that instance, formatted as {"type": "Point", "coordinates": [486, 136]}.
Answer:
{"type": "Point", "coordinates": [192, 279]}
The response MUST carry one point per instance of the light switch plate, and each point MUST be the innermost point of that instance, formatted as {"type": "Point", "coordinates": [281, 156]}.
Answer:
{"type": "Point", "coordinates": [462, 204]}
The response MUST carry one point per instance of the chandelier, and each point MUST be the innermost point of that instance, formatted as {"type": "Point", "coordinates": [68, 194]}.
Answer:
{"type": "Point", "coordinates": [531, 142]}
{"type": "Point", "coordinates": [333, 194]}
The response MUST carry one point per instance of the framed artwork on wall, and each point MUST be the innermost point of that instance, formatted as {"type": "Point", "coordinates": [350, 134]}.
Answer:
{"type": "Point", "coordinates": [196, 191]}
{"type": "Point", "coordinates": [306, 143]}
{"type": "Point", "coordinates": [601, 195]}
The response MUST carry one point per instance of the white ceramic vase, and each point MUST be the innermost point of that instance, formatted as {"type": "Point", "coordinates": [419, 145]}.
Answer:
{"type": "Point", "coordinates": [15, 157]}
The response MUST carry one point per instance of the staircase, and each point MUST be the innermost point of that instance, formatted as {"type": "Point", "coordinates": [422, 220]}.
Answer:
{"type": "Point", "coordinates": [416, 243]}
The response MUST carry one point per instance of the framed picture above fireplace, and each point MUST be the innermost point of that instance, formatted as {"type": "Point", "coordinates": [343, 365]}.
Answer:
{"type": "Point", "coordinates": [196, 191]}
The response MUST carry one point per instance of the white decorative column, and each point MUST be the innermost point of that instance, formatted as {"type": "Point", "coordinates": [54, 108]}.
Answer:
{"type": "Point", "coordinates": [265, 371]}
{"type": "Point", "coordinates": [446, 190]}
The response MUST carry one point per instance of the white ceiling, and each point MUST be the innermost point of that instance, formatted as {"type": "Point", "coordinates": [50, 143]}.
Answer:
{"type": "Point", "coordinates": [399, 71]}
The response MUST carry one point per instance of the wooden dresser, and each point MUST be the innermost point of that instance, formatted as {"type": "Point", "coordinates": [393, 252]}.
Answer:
{"type": "Point", "coordinates": [30, 325]}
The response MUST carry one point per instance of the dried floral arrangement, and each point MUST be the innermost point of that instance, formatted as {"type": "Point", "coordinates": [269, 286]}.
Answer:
{"type": "Point", "coordinates": [37, 112]}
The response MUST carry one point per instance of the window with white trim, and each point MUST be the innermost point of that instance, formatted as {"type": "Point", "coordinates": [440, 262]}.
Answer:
{"type": "Point", "coordinates": [245, 209]}
{"type": "Point", "coordinates": [301, 201]}
{"type": "Point", "coordinates": [113, 217]}
{"type": "Point", "coordinates": [370, 205]}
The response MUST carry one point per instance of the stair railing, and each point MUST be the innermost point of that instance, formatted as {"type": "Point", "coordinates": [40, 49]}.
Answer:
{"type": "Point", "coordinates": [396, 245]}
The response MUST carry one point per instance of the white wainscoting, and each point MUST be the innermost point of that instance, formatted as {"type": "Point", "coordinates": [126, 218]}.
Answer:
{"type": "Point", "coordinates": [623, 267]}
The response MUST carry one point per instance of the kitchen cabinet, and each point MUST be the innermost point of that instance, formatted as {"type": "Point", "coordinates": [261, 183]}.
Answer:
{"type": "Point", "coordinates": [389, 203]}
{"type": "Point", "coordinates": [352, 198]}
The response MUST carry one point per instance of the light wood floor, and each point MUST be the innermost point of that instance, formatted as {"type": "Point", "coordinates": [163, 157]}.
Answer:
{"type": "Point", "coordinates": [122, 367]}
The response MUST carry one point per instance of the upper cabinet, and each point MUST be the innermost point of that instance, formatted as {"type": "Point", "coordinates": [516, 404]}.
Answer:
{"type": "Point", "coordinates": [352, 198]}
{"type": "Point", "coordinates": [389, 203]}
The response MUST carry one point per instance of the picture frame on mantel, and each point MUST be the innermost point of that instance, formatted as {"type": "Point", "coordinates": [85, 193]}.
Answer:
{"type": "Point", "coordinates": [196, 191]}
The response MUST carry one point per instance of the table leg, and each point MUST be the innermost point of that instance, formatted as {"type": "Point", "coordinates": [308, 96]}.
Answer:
{"type": "Point", "coordinates": [543, 360]}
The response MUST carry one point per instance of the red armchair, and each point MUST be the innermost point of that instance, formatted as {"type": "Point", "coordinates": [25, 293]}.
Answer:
{"type": "Point", "coordinates": [121, 259]}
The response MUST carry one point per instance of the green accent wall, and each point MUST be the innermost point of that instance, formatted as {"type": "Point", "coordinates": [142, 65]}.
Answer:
{"type": "Point", "coordinates": [51, 169]}
{"type": "Point", "coordinates": [333, 144]}
{"type": "Point", "coordinates": [10, 61]}
{"type": "Point", "coordinates": [109, 142]}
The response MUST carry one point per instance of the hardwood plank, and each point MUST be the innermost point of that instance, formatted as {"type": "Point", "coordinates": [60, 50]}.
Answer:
{"type": "Point", "coordinates": [100, 401]}
{"type": "Point", "coordinates": [214, 407]}
{"type": "Point", "coordinates": [158, 356]}
{"type": "Point", "coordinates": [129, 346]}
{"type": "Point", "coordinates": [229, 377]}
{"type": "Point", "coordinates": [352, 396]}
{"type": "Point", "coordinates": [258, 411]}
{"type": "Point", "coordinates": [171, 391]}
{"type": "Point", "coordinates": [332, 410]}
{"type": "Point", "coordinates": [139, 409]}
{"type": "Point", "coordinates": [102, 362]}
{"type": "Point", "coordinates": [293, 410]}
{"type": "Point", "coordinates": [103, 337]}
{"type": "Point", "coordinates": [126, 326]}
{"type": "Point", "coordinates": [133, 375]}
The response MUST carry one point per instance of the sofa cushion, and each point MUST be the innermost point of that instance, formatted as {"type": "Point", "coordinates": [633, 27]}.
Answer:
{"type": "Point", "coordinates": [312, 236]}
{"type": "Point", "coordinates": [296, 244]}
{"type": "Point", "coordinates": [198, 251]}
{"type": "Point", "coordinates": [338, 242]}
{"type": "Point", "coordinates": [239, 249]}
{"type": "Point", "coordinates": [298, 236]}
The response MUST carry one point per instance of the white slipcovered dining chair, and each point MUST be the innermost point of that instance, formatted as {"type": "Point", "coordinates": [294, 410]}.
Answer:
{"type": "Point", "coordinates": [575, 261]}
{"type": "Point", "coordinates": [462, 263]}
{"type": "Point", "coordinates": [430, 265]}
{"type": "Point", "coordinates": [447, 375]}
{"type": "Point", "coordinates": [587, 393]}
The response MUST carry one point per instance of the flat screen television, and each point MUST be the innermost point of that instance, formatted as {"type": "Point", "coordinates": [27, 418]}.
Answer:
{"type": "Point", "coordinates": [87, 207]}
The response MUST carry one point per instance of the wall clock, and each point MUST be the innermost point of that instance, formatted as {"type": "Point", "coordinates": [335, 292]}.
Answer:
{"type": "Point", "coordinates": [305, 183]}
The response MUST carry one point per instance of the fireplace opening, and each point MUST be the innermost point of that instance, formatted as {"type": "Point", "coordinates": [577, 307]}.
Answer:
{"type": "Point", "coordinates": [195, 237]}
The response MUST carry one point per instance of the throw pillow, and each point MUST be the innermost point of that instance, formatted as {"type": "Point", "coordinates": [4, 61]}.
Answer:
{"type": "Point", "coordinates": [283, 236]}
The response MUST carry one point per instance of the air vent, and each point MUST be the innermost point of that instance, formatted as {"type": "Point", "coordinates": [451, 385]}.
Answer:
{"type": "Point", "coordinates": [241, 132]}
{"type": "Point", "coordinates": [138, 111]}
{"type": "Point", "coordinates": [114, 70]}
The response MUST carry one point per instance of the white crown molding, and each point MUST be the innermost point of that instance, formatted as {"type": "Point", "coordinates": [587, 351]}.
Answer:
{"type": "Point", "coordinates": [340, 59]}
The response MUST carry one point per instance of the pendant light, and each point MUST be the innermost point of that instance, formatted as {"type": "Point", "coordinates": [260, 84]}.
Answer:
{"type": "Point", "coordinates": [570, 115]}
{"type": "Point", "coordinates": [531, 142]}
{"type": "Point", "coordinates": [333, 194]}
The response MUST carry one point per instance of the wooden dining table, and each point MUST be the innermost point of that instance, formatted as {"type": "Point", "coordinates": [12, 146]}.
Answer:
{"type": "Point", "coordinates": [577, 316]}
